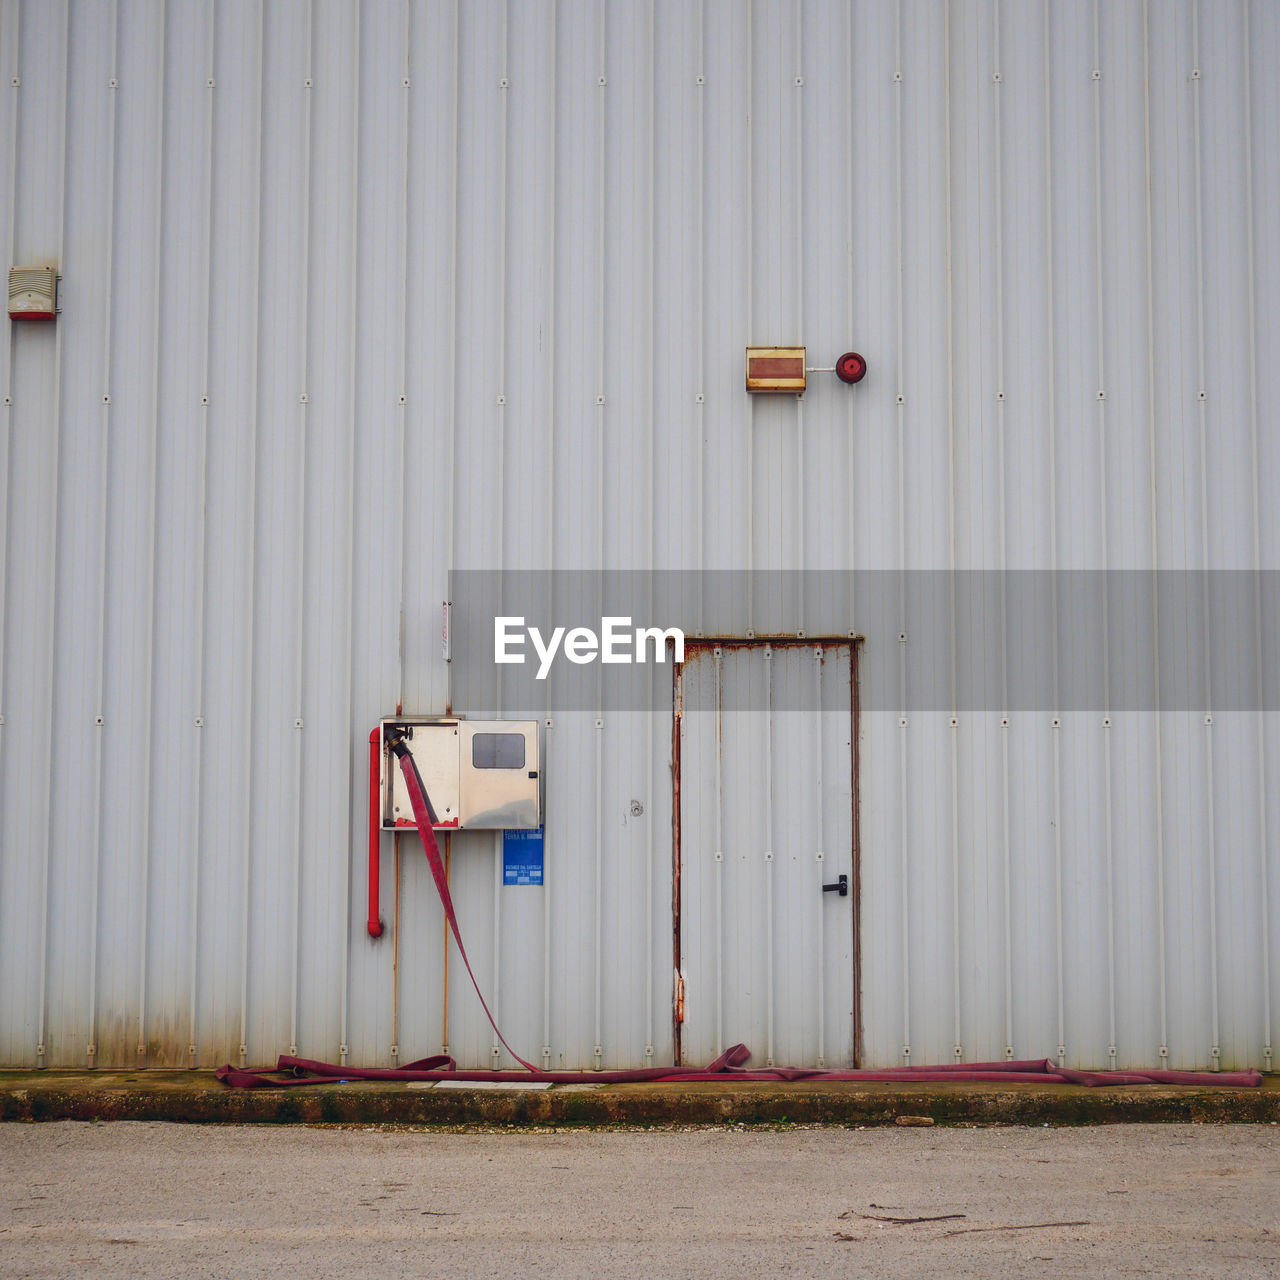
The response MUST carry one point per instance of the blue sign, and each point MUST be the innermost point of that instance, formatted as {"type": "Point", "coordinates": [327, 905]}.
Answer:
{"type": "Point", "coordinates": [522, 857]}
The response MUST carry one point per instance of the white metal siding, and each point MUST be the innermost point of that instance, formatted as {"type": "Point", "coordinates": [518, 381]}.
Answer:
{"type": "Point", "coordinates": [356, 293]}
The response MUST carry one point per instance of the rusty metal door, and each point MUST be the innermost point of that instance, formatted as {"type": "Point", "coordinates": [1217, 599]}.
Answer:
{"type": "Point", "coordinates": [765, 748]}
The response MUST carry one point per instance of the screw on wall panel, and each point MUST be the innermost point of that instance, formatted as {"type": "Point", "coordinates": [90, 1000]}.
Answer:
{"type": "Point", "coordinates": [817, 653]}
{"type": "Point", "coordinates": [717, 652]}
{"type": "Point", "coordinates": [902, 637]}
{"type": "Point", "coordinates": [496, 1052]}
{"type": "Point", "coordinates": [637, 809]}
{"type": "Point", "coordinates": [99, 721]}
{"type": "Point", "coordinates": [199, 722]}
{"type": "Point", "coordinates": [1102, 395]}
{"type": "Point", "coordinates": [958, 1050]}
{"type": "Point", "coordinates": [819, 856]}
{"type": "Point", "coordinates": [1164, 1050]}
{"type": "Point", "coordinates": [342, 1049]}
{"type": "Point", "coordinates": [209, 83]}
{"type": "Point", "coordinates": [701, 80]}
{"type": "Point", "coordinates": [799, 82]}
{"type": "Point", "coordinates": [1008, 1053]}
{"type": "Point", "coordinates": [403, 400]}
{"type": "Point", "coordinates": [502, 399]}
{"type": "Point", "coordinates": [297, 724]}
{"type": "Point", "coordinates": [599, 724]}
{"type": "Point", "coordinates": [306, 84]}
{"type": "Point", "coordinates": [504, 83]}
{"type": "Point", "coordinates": [599, 399]}
{"type": "Point", "coordinates": [1106, 722]}
{"type": "Point", "coordinates": [750, 635]}
{"type": "Point", "coordinates": [699, 398]}
{"type": "Point", "coordinates": [718, 856]}
{"type": "Point", "coordinates": [405, 82]}
{"type": "Point", "coordinates": [16, 82]}
{"type": "Point", "coordinates": [1200, 396]}
{"type": "Point", "coordinates": [902, 399]}
{"type": "Point", "coordinates": [906, 1051]}
{"type": "Point", "coordinates": [602, 82]}
{"type": "Point", "coordinates": [1097, 75]}
{"type": "Point", "coordinates": [996, 77]}
{"type": "Point", "coordinates": [768, 652]}
{"type": "Point", "coordinates": [999, 395]}
{"type": "Point", "coordinates": [8, 400]}
{"type": "Point", "coordinates": [1, 719]}
{"type": "Point", "coordinates": [954, 722]}
{"type": "Point", "coordinates": [302, 398]}
{"type": "Point", "coordinates": [1057, 724]}
{"type": "Point", "coordinates": [1195, 75]}
{"type": "Point", "coordinates": [106, 399]}
{"type": "Point", "coordinates": [902, 722]}
{"type": "Point", "coordinates": [1208, 720]}
{"type": "Point", "coordinates": [768, 855]}
{"type": "Point", "coordinates": [897, 77]}
{"type": "Point", "coordinates": [113, 83]}
{"type": "Point", "coordinates": [648, 1051]}
{"type": "Point", "coordinates": [549, 722]}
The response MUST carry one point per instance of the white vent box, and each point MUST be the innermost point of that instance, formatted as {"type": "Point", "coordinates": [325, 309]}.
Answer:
{"type": "Point", "coordinates": [33, 293]}
{"type": "Point", "coordinates": [479, 775]}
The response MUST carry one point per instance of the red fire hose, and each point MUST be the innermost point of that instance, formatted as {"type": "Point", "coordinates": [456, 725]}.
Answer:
{"type": "Point", "coordinates": [728, 1066]}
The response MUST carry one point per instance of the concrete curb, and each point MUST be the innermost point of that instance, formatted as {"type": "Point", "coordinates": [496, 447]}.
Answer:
{"type": "Point", "coordinates": [197, 1098]}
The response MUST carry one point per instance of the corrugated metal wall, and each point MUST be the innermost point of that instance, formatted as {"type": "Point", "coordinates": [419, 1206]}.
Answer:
{"type": "Point", "coordinates": [357, 293]}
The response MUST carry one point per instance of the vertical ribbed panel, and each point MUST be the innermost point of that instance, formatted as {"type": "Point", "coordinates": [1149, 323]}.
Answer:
{"type": "Point", "coordinates": [356, 294]}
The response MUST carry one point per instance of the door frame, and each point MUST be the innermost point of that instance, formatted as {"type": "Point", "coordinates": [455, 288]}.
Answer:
{"type": "Point", "coordinates": [694, 646]}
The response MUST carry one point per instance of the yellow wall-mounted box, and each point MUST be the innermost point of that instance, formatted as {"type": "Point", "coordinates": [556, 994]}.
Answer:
{"type": "Point", "coordinates": [775, 369]}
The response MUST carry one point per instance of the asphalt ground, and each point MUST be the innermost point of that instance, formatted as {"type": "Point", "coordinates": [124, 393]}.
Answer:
{"type": "Point", "coordinates": [165, 1200]}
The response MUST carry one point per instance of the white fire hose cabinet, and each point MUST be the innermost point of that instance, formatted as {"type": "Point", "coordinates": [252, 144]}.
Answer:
{"type": "Point", "coordinates": [479, 775]}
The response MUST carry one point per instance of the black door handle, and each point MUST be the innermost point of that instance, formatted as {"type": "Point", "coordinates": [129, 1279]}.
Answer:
{"type": "Point", "coordinates": [841, 887]}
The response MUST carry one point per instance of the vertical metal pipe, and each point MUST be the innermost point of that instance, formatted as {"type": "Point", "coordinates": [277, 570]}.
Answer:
{"type": "Point", "coordinates": [402, 355]}
{"type": "Point", "coordinates": [55, 507]}
{"type": "Point", "coordinates": [1056, 724]}
{"type": "Point", "coordinates": [651, 834]}
{"type": "Point", "coordinates": [601, 374]}
{"type": "Point", "coordinates": [504, 231]}
{"type": "Point", "coordinates": [958, 1043]}
{"type": "Point", "coordinates": [104, 525]}
{"type": "Point", "coordinates": [1215, 1049]}
{"type": "Point", "coordinates": [1155, 526]}
{"type": "Point", "coordinates": [251, 506]}
{"type": "Point", "coordinates": [719, 850]}
{"type": "Point", "coordinates": [1263, 890]}
{"type": "Point", "coordinates": [202, 573]}
{"type": "Point", "coordinates": [300, 549]}
{"type": "Point", "coordinates": [899, 309]}
{"type": "Point", "coordinates": [768, 855]}
{"type": "Point", "coordinates": [997, 78]}
{"type": "Point", "coordinates": [454, 300]}
{"type": "Point", "coordinates": [148, 765]}
{"type": "Point", "coordinates": [700, 340]}
{"type": "Point", "coordinates": [552, 259]}
{"type": "Point", "coordinates": [820, 855]}
{"type": "Point", "coordinates": [1104, 539]}
{"type": "Point", "coordinates": [801, 560]}
{"type": "Point", "coordinates": [354, 733]}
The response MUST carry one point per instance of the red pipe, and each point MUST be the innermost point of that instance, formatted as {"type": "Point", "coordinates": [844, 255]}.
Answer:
{"type": "Point", "coordinates": [375, 804]}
